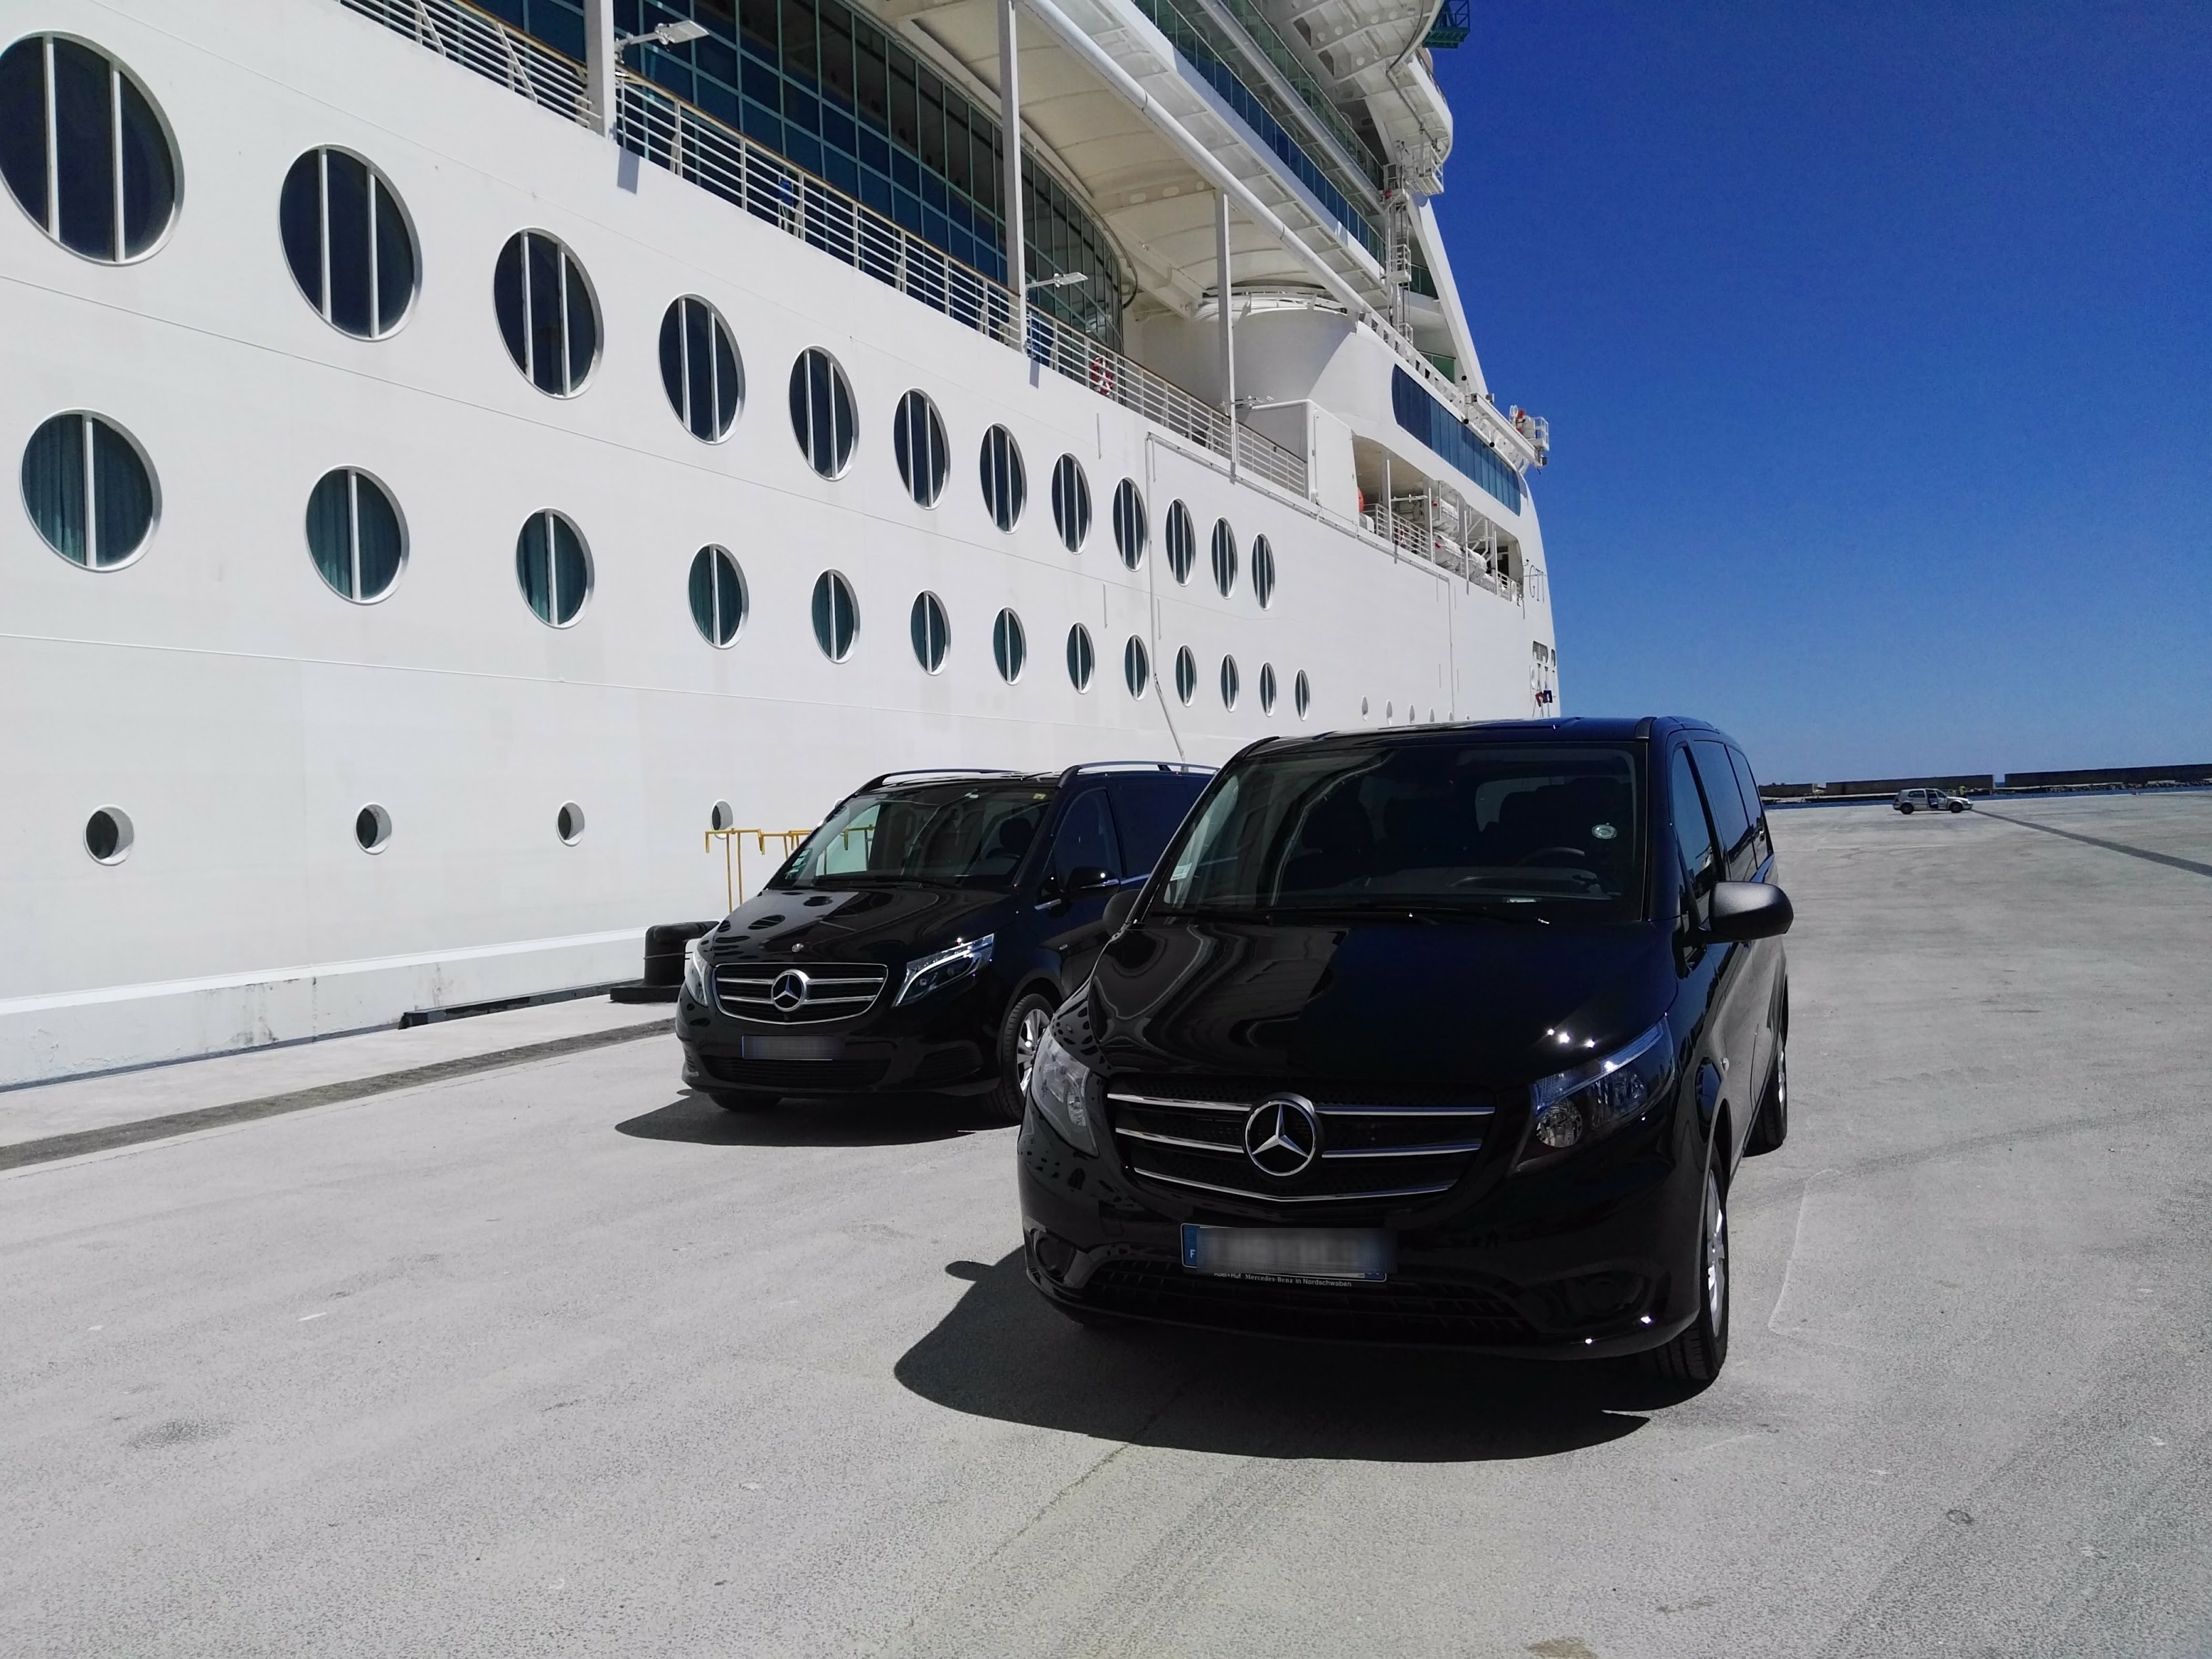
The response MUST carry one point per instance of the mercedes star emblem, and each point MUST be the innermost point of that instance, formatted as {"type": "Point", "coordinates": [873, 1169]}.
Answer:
{"type": "Point", "coordinates": [1282, 1136]}
{"type": "Point", "coordinates": [789, 990]}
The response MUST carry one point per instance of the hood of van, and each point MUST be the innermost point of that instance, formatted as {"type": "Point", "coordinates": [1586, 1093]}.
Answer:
{"type": "Point", "coordinates": [884, 924]}
{"type": "Point", "coordinates": [1480, 1002]}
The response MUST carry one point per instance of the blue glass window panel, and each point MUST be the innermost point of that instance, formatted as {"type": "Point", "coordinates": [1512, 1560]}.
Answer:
{"type": "Point", "coordinates": [802, 110]}
{"type": "Point", "coordinates": [380, 540]}
{"type": "Point", "coordinates": [763, 83]}
{"type": "Point", "coordinates": [841, 172]}
{"type": "Point", "coordinates": [906, 173]}
{"type": "Point", "coordinates": [763, 126]}
{"type": "Point", "coordinates": [874, 152]}
{"type": "Point", "coordinates": [85, 150]}
{"type": "Point", "coordinates": [933, 191]}
{"type": "Point", "coordinates": [907, 211]}
{"type": "Point", "coordinates": [347, 182]}
{"type": "Point", "coordinates": [1428, 420]}
{"type": "Point", "coordinates": [719, 102]}
{"type": "Point", "coordinates": [53, 485]}
{"type": "Point", "coordinates": [933, 228]}
{"type": "Point", "coordinates": [837, 131]}
{"type": "Point", "coordinates": [804, 150]}
{"type": "Point", "coordinates": [715, 59]}
{"type": "Point", "coordinates": [875, 191]}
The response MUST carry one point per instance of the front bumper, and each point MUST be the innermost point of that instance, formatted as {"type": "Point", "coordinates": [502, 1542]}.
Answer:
{"type": "Point", "coordinates": [947, 1043]}
{"type": "Point", "coordinates": [1592, 1257]}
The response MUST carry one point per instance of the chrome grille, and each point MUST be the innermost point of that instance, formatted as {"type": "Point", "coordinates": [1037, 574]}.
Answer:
{"type": "Point", "coordinates": [833, 990]}
{"type": "Point", "coordinates": [1189, 1138]}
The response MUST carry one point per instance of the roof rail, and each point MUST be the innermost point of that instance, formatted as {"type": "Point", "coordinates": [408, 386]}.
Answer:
{"type": "Point", "coordinates": [882, 778]}
{"type": "Point", "coordinates": [1083, 768]}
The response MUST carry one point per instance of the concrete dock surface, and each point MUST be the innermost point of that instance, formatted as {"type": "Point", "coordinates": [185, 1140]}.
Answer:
{"type": "Point", "coordinates": [553, 1358]}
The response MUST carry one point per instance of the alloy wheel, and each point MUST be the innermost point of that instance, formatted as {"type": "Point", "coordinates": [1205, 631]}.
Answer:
{"type": "Point", "coordinates": [1026, 1044]}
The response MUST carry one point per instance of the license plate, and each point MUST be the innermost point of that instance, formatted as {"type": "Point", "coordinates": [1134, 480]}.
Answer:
{"type": "Point", "coordinates": [779, 1046]}
{"type": "Point", "coordinates": [1362, 1253]}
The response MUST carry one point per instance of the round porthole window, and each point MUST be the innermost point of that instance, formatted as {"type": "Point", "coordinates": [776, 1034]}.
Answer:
{"type": "Point", "coordinates": [1129, 525]}
{"type": "Point", "coordinates": [717, 595]}
{"type": "Point", "coordinates": [554, 567]}
{"type": "Point", "coordinates": [83, 151]}
{"type": "Point", "coordinates": [822, 415]}
{"type": "Point", "coordinates": [348, 243]}
{"type": "Point", "coordinates": [1225, 558]}
{"type": "Point", "coordinates": [354, 535]}
{"type": "Point", "coordinates": [88, 490]}
{"type": "Point", "coordinates": [108, 835]}
{"type": "Point", "coordinates": [1071, 502]}
{"type": "Point", "coordinates": [700, 369]}
{"type": "Point", "coordinates": [547, 315]}
{"type": "Point", "coordinates": [918, 438]}
{"type": "Point", "coordinates": [1082, 660]}
{"type": "Point", "coordinates": [1183, 542]}
{"type": "Point", "coordinates": [568, 823]}
{"type": "Point", "coordinates": [1263, 571]}
{"type": "Point", "coordinates": [1232, 682]}
{"type": "Point", "coordinates": [1010, 645]}
{"type": "Point", "coordinates": [1302, 694]}
{"type": "Point", "coordinates": [372, 829]}
{"type": "Point", "coordinates": [932, 630]}
{"type": "Point", "coordinates": [836, 616]}
{"type": "Point", "coordinates": [1005, 484]}
{"type": "Point", "coordinates": [1267, 687]}
{"type": "Point", "coordinates": [1186, 673]}
{"type": "Point", "coordinates": [1136, 666]}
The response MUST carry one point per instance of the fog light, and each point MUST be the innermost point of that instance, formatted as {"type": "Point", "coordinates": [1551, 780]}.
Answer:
{"type": "Point", "coordinates": [1053, 1253]}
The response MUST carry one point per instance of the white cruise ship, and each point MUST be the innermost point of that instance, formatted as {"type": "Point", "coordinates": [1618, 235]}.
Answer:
{"type": "Point", "coordinates": [467, 452]}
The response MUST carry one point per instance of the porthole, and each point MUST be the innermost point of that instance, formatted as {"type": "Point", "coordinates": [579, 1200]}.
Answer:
{"type": "Point", "coordinates": [554, 567]}
{"type": "Point", "coordinates": [1302, 694]}
{"type": "Point", "coordinates": [354, 535]}
{"type": "Point", "coordinates": [348, 243]}
{"type": "Point", "coordinates": [723, 817]}
{"type": "Point", "coordinates": [1136, 666]}
{"type": "Point", "coordinates": [1363, 709]}
{"type": "Point", "coordinates": [1183, 542]}
{"type": "Point", "coordinates": [821, 417]}
{"type": "Point", "coordinates": [83, 150]}
{"type": "Point", "coordinates": [719, 600]}
{"type": "Point", "coordinates": [1232, 682]}
{"type": "Point", "coordinates": [546, 313]}
{"type": "Point", "coordinates": [1225, 557]}
{"type": "Point", "coordinates": [372, 829]}
{"type": "Point", "coordinates": [918, 436]}
{"type": "Point", "coordinates": [932, 631]}
{"type": "Point", "coordinates": [1006, 485]}
{"type": "Point", "coordinates": [1010, 645]}
{"type": "Point", "coordinates": [1082, 661]}
{"type": "Point", "coordinates": [1186, 670]}
{"type": "Point", "coordinates": [836, 616]}
{"type": "Point", "coordinates": [568, 823]}
{"type": "Point", "coordinates": [1263, 571]}
{"type": "Point", "coordinates": [1129, 525]}
{"type": "Point", "coordinates": [1389, 711]}
{"type": "Point", "coordinates": [108, 834]}
{"type": "Point", "coordinates": [699, 368]}
{"type": "Point", "coordinates": [1267, 687]}
{"type": "Point", "coordinates": [88, 490]}
{"type": "Point", "coordinates": [1071, 502]}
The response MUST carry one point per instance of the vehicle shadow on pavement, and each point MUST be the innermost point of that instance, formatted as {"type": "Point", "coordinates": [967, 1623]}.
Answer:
{"type": "Point", "coordinates": [1001, 1353]}
{"type": "Point", "coordinates": [867, 1121]}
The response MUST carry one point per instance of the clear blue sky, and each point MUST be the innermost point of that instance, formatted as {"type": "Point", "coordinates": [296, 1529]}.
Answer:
{"type": "Point", "coordinates": [1876, 342]}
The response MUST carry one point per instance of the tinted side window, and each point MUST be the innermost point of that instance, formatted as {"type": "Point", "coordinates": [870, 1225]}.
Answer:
{"type": "Point", "coordinates": [1725, 802]}
{"type": "Point", "coordinates": [1086, 837]}
{"type": "Point", "coordinates": [1749, 785]}
{"type": "Point", "coordinates": [1690, 834]}
{"type": "Point", "coordinates": [1152, 810]}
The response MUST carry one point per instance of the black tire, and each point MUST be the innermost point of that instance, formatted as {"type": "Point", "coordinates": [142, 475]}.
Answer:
{"type": "Point", "coordinates": [1771, 1127]}
{"type": "Point", "coordinates": [1907, 809]}
{"type": "Point", "coordinates": [1019, 1032]}
{"type": "Point", "coordinates": [1958, 806]}
{"type": "Point", "coordinates": [743, 1100]}
{"type": "Point", "coordinates": [1697, 1354]}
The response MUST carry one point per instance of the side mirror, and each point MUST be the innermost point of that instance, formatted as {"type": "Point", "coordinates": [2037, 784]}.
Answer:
{"type": "Point", "coordinates": [1118, 909]}
{"type": "Point", "coordinates": [1745, 910]}
{"type": "Point", "coordinates": [1088, 878]}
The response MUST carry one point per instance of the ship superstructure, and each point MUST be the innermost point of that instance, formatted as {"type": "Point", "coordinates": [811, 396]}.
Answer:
{"type": "Point", "coordinates": [467, 452]}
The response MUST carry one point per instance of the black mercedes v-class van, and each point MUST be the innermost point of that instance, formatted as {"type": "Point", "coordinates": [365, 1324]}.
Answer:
{"type": "Point", "coordinates": [1451, 1035]}
{"type": "Point", "coordinates": [921, 936]}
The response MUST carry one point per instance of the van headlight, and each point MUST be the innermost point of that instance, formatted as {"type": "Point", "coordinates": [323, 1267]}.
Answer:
{"type": "Point", "coordinates": [1572, 1108]}
{"type": "Point", "coordinates": [935, 973]}
{"type": "Point", "coordinates": [695, 972]}
{"type": "Point", "coordinates": [1066, 1093]}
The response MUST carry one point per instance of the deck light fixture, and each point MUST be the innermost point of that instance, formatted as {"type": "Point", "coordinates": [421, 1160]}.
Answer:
{"type": "Point", "coordinates": [1066, 279]}
{"type": "Point", "coordinates": [666, 34]}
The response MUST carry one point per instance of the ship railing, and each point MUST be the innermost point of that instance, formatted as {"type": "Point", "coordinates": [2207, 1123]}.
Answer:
{"type": "Point", "coordinates": [696, 146]}
{"type": "Point", "coordinates": [478, 41]}
{"type": "Point", "coordinates": [1420, 530]}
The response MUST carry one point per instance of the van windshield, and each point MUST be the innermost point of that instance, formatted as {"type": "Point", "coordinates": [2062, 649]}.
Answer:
{"type": "Point", "coordinates": [955, 836]}
{"type": "Point", "coordinates": [1550, 831]}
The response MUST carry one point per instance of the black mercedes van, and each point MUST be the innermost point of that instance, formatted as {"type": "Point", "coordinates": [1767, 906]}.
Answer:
{"type": "Point", "coordinates": [1452, 1035]}
{"type": "Point", "coordinates": [921, 936]}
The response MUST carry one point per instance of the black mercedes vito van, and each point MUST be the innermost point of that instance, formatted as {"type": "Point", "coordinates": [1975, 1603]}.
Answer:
{"type": "Point", "coordinates": [921, 936]}
{"type": "Point", "coordinates": [1450, 1035]}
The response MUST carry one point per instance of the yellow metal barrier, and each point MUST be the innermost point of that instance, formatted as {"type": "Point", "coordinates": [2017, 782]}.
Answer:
{"type": "Point", "coordinates": [734, 869]}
